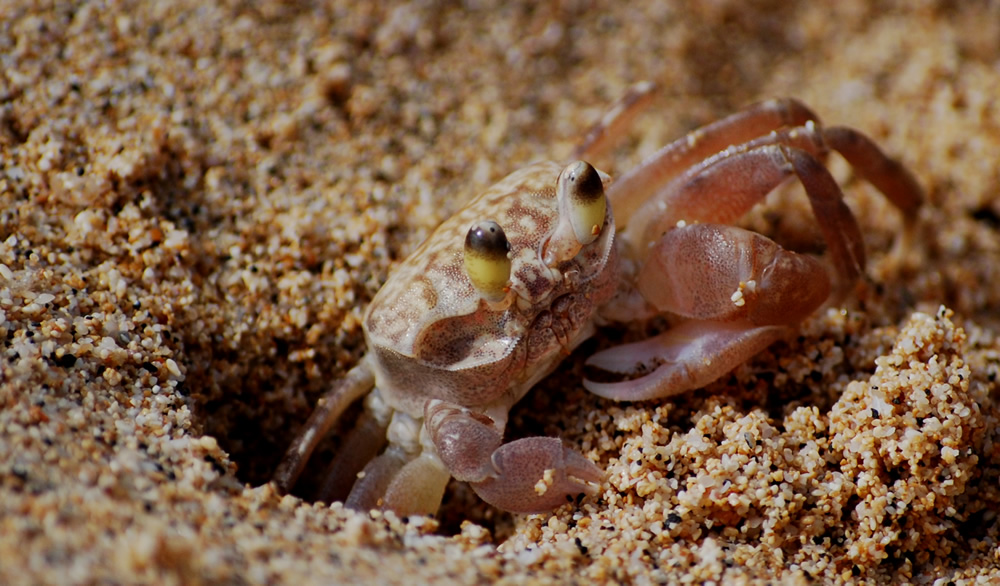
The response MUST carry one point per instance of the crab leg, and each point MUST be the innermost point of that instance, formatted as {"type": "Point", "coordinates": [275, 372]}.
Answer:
{"type": "Point", "coordinates": [781, 121]}
{"type": "Point", "coordinates": [358, 381]}
{"type": "Point", "coordinates": [729, 185]}
{"type": "Point", "coordinates": [407, 478]}
{"type": "Point", "coordinates": [630, 191]}
{"type": "Point", "coordinates": [405, 483]}
{"type": "Point", "coordinates": [690, 270]}
{"type": "Point", "coordinates": [374, 480]}
{"type": "Point", "coordinates": [889, 176]}
{"type": "Point", "coordinates": [611, 127]}
{"type": "Point", "coordinates": [361, 445]}
{"type": "Point", "coordinates": [418, 487]}
{"type": "Point", "coordinates": [528, 475]}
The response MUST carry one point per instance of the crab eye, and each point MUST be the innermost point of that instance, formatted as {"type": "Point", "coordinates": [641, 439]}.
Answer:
{"type": "Point", "coordinates": [486, 260]}
{"type": "Point", "coordinates": [582, 200]}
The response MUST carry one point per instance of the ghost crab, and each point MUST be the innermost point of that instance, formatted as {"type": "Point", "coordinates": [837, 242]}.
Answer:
{"type": "Point", "coordinates": [508, 286]}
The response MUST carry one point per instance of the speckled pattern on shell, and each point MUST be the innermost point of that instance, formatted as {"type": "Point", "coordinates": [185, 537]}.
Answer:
{"type": "Point", "coordinates": [431, 334]}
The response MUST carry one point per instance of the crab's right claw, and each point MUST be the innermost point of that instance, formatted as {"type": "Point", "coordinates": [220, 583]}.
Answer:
{"type": "Point", "coordinates": [739, 292]}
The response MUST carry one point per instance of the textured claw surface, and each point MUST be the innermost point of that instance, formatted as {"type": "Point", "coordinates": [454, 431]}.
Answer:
{"type": "Point", "coordinates": [537, 474]}
{"type": "Point", "coordinates": [683, 358]}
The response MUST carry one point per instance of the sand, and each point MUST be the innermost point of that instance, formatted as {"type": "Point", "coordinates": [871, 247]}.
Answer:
{"type": "Point", "coordinates": [197, 202]}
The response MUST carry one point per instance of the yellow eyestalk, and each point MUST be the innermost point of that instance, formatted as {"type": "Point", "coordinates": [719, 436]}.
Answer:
{"type": "Point", "coordinates": [582, 209]}
{"type": "Point", "coordinates": [486, 260]}
{"type": "Point", "coordinates": [582, 200]}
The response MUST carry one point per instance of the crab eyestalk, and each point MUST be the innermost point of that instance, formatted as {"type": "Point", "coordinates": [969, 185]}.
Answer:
{"type": "Point", "coordinates": [487, 261]}
{"type": "Point", "coordinates": [582, 209]}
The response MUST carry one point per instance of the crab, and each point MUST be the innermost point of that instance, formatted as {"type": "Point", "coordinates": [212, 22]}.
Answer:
{"type": "Point", "coordinates": [506, 288]}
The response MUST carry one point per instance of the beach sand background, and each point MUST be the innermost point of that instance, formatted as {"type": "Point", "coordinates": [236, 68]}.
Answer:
{"type": "Point", "coordinates": [198, 200]}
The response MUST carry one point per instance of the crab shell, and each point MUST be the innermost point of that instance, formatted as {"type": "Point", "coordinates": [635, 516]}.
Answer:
{"type": "Point", "coordinates": [431, 336]}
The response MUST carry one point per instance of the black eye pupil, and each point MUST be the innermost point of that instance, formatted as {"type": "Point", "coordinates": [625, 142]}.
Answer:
{"type": "Point", "coordinates": [487, 238]}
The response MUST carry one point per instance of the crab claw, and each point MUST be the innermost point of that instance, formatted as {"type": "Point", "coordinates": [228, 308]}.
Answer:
{"type": "Point", "coordinates": [529, 475]}
{"type": "Point", "coordinates": [685, 357]}
{"type": "Point", "coordinates": [537, 474]}
{"type": "Point", "coordinates": [739, 291]}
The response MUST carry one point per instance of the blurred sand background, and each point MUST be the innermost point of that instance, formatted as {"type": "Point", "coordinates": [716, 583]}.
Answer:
{"type": "Point", "coordinates": [197, 201]}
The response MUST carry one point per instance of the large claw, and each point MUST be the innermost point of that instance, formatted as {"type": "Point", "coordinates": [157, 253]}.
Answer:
{"type": "Point", "coordinates": [685, 357]}
{"type": "Point", "coordinates": [740, 292]}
